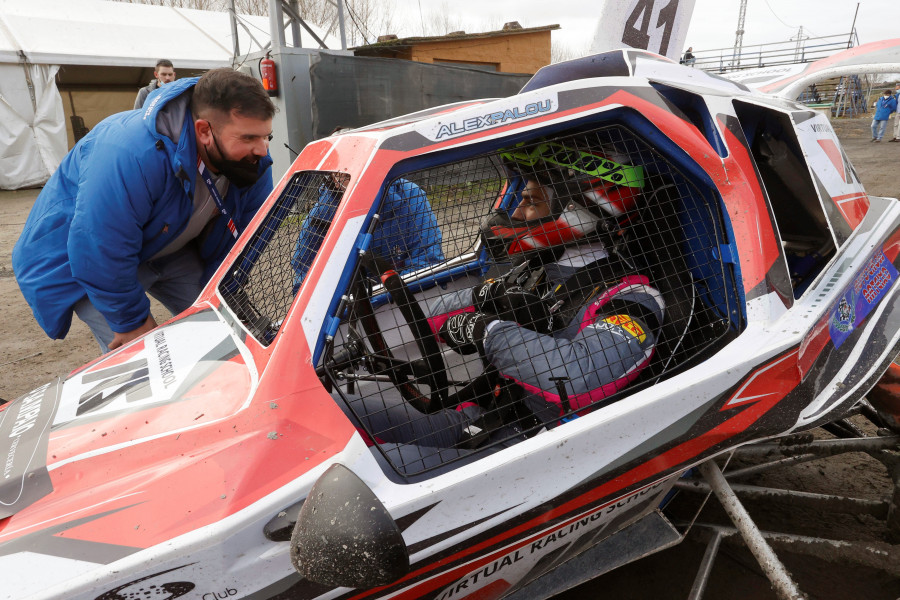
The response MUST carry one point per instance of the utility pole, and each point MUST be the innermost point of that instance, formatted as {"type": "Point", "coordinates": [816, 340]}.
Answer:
{"type": "Point", "coordinates": [340, 11]}
{"type": "Point", "coordinates": [739, 36]}
{"type": "Point", "coordinates": [798, 49]}
{"type": "Point", "coordinates": [853, 28]}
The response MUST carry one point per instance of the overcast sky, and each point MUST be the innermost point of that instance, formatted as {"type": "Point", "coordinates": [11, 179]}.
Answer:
{"type": "Point", "coordinates": [713, 25]}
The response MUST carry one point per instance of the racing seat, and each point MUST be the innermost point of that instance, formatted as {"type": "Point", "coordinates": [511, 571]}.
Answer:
{"type": "Point", "coordinates": [656, 243]}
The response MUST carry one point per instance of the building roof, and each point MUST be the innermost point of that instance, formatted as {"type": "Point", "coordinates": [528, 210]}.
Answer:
{"type": "Point", "coordinates": [452, 37]}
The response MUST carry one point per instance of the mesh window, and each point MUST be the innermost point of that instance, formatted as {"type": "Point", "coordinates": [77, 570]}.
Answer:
{"type": "Point", "coordinates": [461, 195]}
{"type": "Point", "coordinates": [604, 276]}
{"type": "Point", "coordinates": [264, 280]}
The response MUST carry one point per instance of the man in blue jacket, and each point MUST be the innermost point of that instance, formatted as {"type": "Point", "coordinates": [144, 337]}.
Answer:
{"type": "Point", "coordinates": [884, 107]}
{"type": "Point", "coordinates": [150, 200]}
{"type": "Point", "coordinates": [407, 238]}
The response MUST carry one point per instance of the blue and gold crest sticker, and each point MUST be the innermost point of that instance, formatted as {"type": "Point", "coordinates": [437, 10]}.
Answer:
{"type": "Point", "coordinates": [868, 288]}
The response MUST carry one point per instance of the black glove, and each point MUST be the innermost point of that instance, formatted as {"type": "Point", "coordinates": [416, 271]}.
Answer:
{"type": "Point", "coordinates": [526, 309]}
{"type": "Point", "coordinates": [486, 297]}
{"type": "Point", "coordinates": [464, 333]}
{"type": "Point", "coordinates": [513, 303]}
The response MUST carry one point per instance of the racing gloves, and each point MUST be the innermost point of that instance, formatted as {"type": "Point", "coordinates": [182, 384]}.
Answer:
{"type": "Point", "coordinates": [464, 332]}
{"type": "Point", "coordinates": [513, 303]}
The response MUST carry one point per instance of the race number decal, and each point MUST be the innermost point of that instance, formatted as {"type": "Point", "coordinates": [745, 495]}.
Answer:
{"type": "Point", "coordinates": [658, 26]}
{"type": "Point", "coordinates": [637, 32]}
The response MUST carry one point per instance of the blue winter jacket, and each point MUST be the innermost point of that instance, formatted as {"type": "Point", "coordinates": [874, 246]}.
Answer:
{"type": "Point", "coordinates": [123, 193]}
{"type": "Point", "coordinates": [408, 236]}
{"type": "Point", "coordinates": [884, 106]}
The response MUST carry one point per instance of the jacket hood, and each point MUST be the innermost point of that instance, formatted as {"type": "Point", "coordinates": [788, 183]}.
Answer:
{"type": "Point", "coordinates": [164, 96]}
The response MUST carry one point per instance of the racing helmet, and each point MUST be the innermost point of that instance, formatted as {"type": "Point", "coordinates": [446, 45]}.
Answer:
{"type": "Point", "coordinates": [587, 194]}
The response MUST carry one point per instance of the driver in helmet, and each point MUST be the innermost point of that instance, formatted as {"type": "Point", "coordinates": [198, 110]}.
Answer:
{"type": "Point", "coordinates": [570, 323]}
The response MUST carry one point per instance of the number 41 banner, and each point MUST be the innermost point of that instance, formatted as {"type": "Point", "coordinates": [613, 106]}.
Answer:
{"type": "Point", "coordinates": [659, 26]}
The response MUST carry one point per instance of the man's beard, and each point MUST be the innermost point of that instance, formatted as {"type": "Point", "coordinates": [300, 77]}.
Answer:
{"type": "Point", "coordinates": [241, 173]}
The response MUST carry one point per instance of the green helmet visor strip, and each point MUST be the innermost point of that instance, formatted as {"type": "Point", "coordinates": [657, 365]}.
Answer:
{"type": "Point", "coordinates": [579, 161]}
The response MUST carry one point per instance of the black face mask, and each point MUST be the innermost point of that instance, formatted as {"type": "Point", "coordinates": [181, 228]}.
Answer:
{"type": "Point", "coordinates": [239, 172]}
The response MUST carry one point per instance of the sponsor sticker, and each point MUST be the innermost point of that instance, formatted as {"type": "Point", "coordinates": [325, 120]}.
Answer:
{"type": "Point", "coordinates": [629, 325]}
{"type": "Point", "coordinates": [494, 579]}
{"type": "Point", "coordinates": [868, 288]}
{"type": "Point", "coordinates": [24, 437]}
{"type": "Point", "coordinates": [478, 119]}
{"type": "Point", "coordinates": [163, 585]}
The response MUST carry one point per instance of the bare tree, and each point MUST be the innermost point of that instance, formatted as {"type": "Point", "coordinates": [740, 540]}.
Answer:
{"type": "Point", "coordinates": [197, 4]}
{"type": "Point", "coordinates": [560, 51]}
{"type": "Point", "coordinates": [250, 7]}
{"type": "Point", "coordinates": [443, 20]}
{"type": "Point", "coordinates": [364, 20]}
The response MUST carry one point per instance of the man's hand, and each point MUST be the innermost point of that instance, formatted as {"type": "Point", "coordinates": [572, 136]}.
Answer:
{"type": "Point", "coordinates": [464, 332]}
{"type": "Point", "coordinates": [512, 303]}
{"type": "Point", "coordinates": [120, 339]}
{"type": "Point", "coordinates": [526, 309]}
{"type": "Point", "coordinates": [487, 296]}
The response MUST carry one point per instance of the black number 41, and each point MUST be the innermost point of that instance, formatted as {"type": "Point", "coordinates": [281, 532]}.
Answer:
{"type": "Point", "coordinates": [643, 11]}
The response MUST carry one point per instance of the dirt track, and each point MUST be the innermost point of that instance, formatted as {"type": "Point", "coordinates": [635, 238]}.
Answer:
{"type": "Point", "coordinates": [28, 359]}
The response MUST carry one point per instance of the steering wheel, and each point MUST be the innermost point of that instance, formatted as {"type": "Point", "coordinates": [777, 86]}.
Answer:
{"type": "Point", "coordinates": [408, 376]}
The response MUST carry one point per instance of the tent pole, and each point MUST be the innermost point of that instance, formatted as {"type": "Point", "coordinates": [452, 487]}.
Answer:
{"type": "Point", "coordinates": [340, 7]}
{"type": "Point", "coordinates": [234, 32]}
{"type": "Point", "coordinates": [276, 25]}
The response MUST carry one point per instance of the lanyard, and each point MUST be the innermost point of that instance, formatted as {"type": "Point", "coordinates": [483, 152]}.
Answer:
{"type": "Point", "coordinates": [216, 196]}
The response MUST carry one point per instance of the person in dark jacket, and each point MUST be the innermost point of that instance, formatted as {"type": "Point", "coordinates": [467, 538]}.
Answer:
{"type": "Point", "coordinates": [163, 73]}
{"type": "Point", "coordinates": [149, 201]}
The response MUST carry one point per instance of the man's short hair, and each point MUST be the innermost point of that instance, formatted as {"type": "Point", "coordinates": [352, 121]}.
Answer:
{"type": "Point", "coordinates": [225, 90]}
{"type": "Point", "coordinates": [164, 62]}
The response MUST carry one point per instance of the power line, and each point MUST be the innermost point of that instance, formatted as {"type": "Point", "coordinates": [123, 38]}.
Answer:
{"type": "Point", "coordinates": [355, 22]}
{"type": "Point", "coordinates": [779, 18]}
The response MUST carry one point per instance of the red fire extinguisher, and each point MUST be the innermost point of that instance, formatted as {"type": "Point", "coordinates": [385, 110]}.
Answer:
{"type": "Point", "coordinates": [268, 76]}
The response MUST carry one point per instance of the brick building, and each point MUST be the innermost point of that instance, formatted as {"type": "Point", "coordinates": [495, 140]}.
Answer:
{"type": "Point", "coordinates": [514, 49]}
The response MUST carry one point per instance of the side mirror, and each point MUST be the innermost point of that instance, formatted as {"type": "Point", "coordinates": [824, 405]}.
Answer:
{"type": "Point", "coordinates": [345, 537]}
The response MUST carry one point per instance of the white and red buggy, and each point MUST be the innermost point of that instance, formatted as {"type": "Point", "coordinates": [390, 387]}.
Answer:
{"type": "Point", "coordinates": [185, 462]}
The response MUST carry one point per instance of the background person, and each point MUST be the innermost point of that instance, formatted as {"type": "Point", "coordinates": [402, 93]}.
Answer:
{"type": "Point", "coordinates": [147, 201]}
{"type": "Point", "coordinates": [163, 73]}
{"type": "Point", "coordinates": [885, 106]}
{"type": "Point", "coordinates": [896, 137]}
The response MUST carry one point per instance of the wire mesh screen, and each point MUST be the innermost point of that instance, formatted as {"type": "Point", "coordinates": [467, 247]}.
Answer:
{"type": "Point", "coordinates": [261, 286]}
{"type": "Point", "coordinates": [603, 276]}
{"type": "Point", "coordinates": [461, 194]}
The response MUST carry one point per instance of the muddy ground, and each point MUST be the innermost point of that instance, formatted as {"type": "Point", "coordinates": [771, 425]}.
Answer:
{"type": "Point", "coordinates": [28, 359]}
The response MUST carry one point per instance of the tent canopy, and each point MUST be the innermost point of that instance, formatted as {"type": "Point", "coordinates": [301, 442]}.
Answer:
{"type": "Point", "coordinates": [99, 53]}
{"type": "Point", "coordinates": [102, 33]}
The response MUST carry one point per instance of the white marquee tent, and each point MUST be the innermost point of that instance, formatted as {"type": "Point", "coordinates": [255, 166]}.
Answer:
{"type": "Point", "coordinates": [94, 48]}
